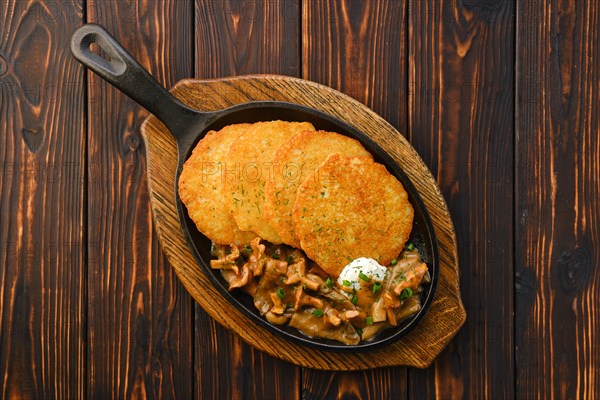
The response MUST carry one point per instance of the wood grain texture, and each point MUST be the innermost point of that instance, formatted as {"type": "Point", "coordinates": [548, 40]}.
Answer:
{"type": "Point", "coordinates": [42, 248]}
{"type": "Point", "coordinates": [228, 368]}
{"type": "Point", "coordinates": [140, 332]}
{"type": "Point", "coordinates": [359, 48]}
{"type": "Point", "coordinates": [446, 313]}
{"type": "Point", "coordinates": [75, 229]}
{"type": "Point", "coordinates": [381, 383]}
{"type": "Point", "coordinates": [461, 115]}
{"type": "Point", "coordinates": [236, 37]}
{"type": "Point", "coordinates": [558, 198]}
{"type": "Point", "coordinates": [243, 37]}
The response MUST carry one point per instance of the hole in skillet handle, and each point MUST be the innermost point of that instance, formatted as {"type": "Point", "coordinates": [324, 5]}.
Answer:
{"type": "Point", "coordinates": [94, 48]}
{"type": "Point", "coordinates": [422, 235]}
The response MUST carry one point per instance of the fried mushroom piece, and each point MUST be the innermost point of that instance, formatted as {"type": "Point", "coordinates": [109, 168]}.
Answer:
{"type": "Point", "coordinates": [278, 306]}
{"type": "Point", "coordinates": [391, 302]}
{"type": "Point", "coordinates": [314, 326]}
{"type": "Point", "coordinates": [228, 261]}
{"type": "Point", "coordinates": [266, 293]}
{"type": "Point", "coordinates": [378, 311]}
{"type": "Point", "coordinates": [333, 317]}
{"type": "Point", "coordinates": [241, 279]}
{"type": "Point", "coordinates": [413, 278]}
{"type": "Point", "coordinates": [277, 319]}
{"type": "Point", "coordinates": [312, 282]}
{"type": "Point", "coordinates": [295, 271]}
{"type": "Point", "coordinates": [301, 299]}
{"type": "Point", "coordinates": [256, 261]}
{"type": "Point", "coordinates": [244, 275]}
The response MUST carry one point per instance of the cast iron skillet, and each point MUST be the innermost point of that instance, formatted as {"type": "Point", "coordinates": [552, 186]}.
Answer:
{"type": "Point", "coordinates": [188, 126]}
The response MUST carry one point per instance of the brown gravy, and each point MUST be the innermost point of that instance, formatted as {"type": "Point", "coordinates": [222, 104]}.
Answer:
{"type": "Point", "coordinates": [287, 287]}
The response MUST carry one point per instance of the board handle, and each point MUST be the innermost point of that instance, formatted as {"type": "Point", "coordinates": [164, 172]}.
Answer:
{"type": "Point", "coordinates": [122, 71]}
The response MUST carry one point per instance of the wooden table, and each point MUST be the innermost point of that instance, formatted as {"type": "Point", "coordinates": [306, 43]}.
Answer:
{"type": "Point", "coordinates": [500, 98]}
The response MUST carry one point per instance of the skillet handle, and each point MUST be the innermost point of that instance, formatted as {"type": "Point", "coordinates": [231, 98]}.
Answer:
{"type": "Point", "coordinates": [123, 72]}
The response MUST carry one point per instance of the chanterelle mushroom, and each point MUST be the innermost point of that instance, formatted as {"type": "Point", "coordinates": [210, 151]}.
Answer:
{"type": "Point", "coordinates": [295, 271]}
{"type": "Point", "coordinates": [302, 298]}
{"type": "Point", "coordinates": [242, 278]}
{"type": "Point", "coordinates": [278, 307]}
{"type": "Point", "coordinates": [414, 276]}
{"type": "Point", "coordinates": [228, 261]}
{"type": "Point", "coordinates": [256, 261]}
{"type": "Point", "coordinates": [333, 317]}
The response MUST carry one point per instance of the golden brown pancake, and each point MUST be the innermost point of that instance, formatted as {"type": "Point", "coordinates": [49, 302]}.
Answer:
{"type": "Point", "coordinates": [249, 167]}
{"type": "Point", "coordinates": [201, 187]}
{"type": "Point", "coordinates": [351, 207]}
{"type": "Point", "coordinates": [294, 161]}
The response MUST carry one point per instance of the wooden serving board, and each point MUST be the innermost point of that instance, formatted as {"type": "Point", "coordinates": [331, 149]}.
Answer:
{"type": "Point", "coordinates": [446, 313]}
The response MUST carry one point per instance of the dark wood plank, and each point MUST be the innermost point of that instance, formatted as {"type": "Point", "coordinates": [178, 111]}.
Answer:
{"type": "Point", "coordinates": [141, 331]}
{"type": "Point", "coordinates": [42, 234]}
{"type": "Point", "coordinates": [228, 368]}
{"type": "Point", "coordinates": [382, 383]}
{"type": "Point", "coordinates": [461, 115]}
{"type": "Point", "coordinates": [360, 49]}
{"type": "Point", "coordinates": [558, 235]}
{"type": "Point", "coordinates": [238, 37]}
{"type": "Point", "coordinates": [235, 38]}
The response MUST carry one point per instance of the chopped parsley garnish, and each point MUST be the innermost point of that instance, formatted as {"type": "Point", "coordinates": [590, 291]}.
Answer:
{"type": "Point", "coordinates": [354, 299]}
{"type": "Point", "coordinates": [280, 293]}
{"type": "Point", "coordinates": [410, 246]}
{"type": "Point", "coordinates": [406, 293]}
{"type": "Point", "coordinates": [289, 259]}
{"type": "Point", "coordinates": [347, 283]}
{"type": "Point", "coordinates": [363, 277]}
{"type": "Point", "coordinates": [369, 321]}
{"type": "Point", "coordinates": [275, 256]}
{"type": "Point", "coordinates": [359, 331]}
{"type": "Point", "coordinates": [394, 262]}
{"type": "Point", "coordinates": [317, 312]}
{"type": "Point", "coordinates": [376, 287]}
{"type": "Point", "coordinates": [328, 282]}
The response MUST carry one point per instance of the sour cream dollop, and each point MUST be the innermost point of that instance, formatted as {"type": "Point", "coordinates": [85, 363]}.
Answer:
{"type": "Point", "coordinates": [368, 267]}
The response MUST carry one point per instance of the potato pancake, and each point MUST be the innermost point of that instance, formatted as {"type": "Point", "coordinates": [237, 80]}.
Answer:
{"type": "Point", "coordinates": [201, 187]}
{"type": "Point", "coordinates": [294, 161]}
{"type": "Point", "coordinates": [351, 207]}
{"type": "Point", "coordinates": [249, 167]}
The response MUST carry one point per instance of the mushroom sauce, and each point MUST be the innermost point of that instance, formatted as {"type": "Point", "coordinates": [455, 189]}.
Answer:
{"type": "Point", "coordinates": [289, 288]}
